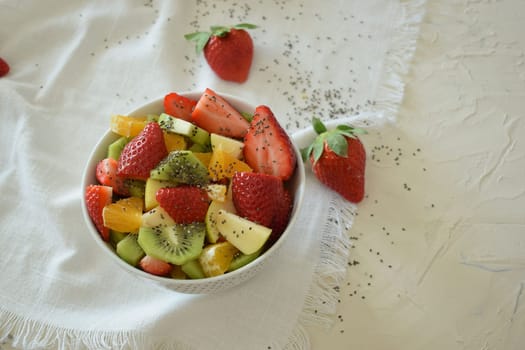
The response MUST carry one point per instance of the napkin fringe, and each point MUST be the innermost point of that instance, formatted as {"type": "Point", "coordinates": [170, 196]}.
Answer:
{"type": "Point", "coordinates": [322, 299]}
{"type": "Point", "coordinates": [399, 55]}
{"type": "Point", "coordinates": [30, 334]}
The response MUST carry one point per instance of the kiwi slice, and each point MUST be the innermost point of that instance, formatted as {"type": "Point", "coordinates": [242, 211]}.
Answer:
{"type": "Point", "coordinates": [129, 250]}
{"type": "Point", "coordinates": [116, 147]}
{"type": "Point", "coordinates": [136, 188]}
{"type": "Point", "coordinates": [185, 128]}
{"type": "Point", "coordinates": [193, 269]}
{"type": "Point", "coordinates": [240, 259]}
{"type": "Point", "coordinates": [176, 244]}
{"type": "Point", "coordinates": [181, 166]}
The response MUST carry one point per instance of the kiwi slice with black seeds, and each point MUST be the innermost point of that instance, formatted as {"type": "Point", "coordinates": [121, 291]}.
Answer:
{"type": "Point", "coordinates": [175, 244]}
{"type": "Point", "coordinates": [181, 166]}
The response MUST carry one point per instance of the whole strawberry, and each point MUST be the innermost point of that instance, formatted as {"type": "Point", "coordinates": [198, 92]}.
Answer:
{"type": "Point", "coordinates": [338, 159]}
{"type": "Point", "coordinates": [4, 67]}
{"type": "Point", "coordinates": [228, 50]}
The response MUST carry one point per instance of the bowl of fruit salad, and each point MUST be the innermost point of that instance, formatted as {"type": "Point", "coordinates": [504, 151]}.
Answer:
{"type": "Point", "coordinates": [195, 190]}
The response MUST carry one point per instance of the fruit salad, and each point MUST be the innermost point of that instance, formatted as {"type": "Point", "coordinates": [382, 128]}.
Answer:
{"type": "Point", "coordinates": [196, 191]}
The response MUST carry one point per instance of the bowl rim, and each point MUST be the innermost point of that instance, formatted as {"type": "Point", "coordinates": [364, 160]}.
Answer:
{"type": "Point", "coordinates": [147, 108]}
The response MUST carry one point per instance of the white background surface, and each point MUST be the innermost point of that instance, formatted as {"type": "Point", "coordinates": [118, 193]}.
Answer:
{"type": "Point", "coordinates": [439, 258]}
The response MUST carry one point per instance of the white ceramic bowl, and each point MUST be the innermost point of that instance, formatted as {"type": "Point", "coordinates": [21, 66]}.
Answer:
{"type": "Point", "coordinates": [198, 286]}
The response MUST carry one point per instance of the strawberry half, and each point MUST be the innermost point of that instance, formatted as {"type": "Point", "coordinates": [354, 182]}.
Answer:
{"type": "Point", "coordinates": [142, 153]}
{"type": "Point", "coordinates": [106, 173]}
{"type": "Point", "coordinates": [338, 159]}
{"type": "Point", "coordinates": [179, 106]}
{"type": "Point", "coordinates": [155, 266]}
{"type": "Point", "coordinates": [267, 147]}
{"type": "Point", "coordinates": [214, 114]}
{"type": "Point", "coordinates": [185, 204]}
{"type": "Point", "coordinates": [4, 67]}
{"type": "Point", "coordinates": [228, 50]}
{"type": "Point", "coordinates": [283, 211]}
{"type": "Point", "coordinates": [97, 197]}
{"type": "Point", "coordinates": [255, 196]}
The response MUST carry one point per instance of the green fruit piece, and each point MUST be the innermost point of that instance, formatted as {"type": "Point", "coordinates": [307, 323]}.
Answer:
{"type": "Point", "coordinates": [175, 244]}
{"type": "Point", "coordinates": [116, 236]}
{"type": "Point", "coordinates": [129, 250]}
{"type": "Point", "coordinates": [240, 259]}
{"type": "Point", "coordinates": [183, 167]}
{"type": "Point", "coordinates": [198, 148]}
{"type": "Point", "coordinates": [152, 118]}
{"type": "Point", "coordinates": [193, 269]}
{"type": "Point", "coordinates": [150, 195]}
{"type": "Point", "coordinates": [116, 147]}
{"type": "Point", "coordinates": [136, 188]}
{"type": "Point", "coordinates": [185, 128]}
{"type": "Point", "coordinates": [245, 235]}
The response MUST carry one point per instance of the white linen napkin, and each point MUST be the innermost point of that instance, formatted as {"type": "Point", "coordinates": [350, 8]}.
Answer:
{"type": "Point", "coordinates": [74, 64]}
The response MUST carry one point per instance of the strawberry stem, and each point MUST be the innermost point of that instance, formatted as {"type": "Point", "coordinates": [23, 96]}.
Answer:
{"type": "Point", "coordinates": [335, 140]}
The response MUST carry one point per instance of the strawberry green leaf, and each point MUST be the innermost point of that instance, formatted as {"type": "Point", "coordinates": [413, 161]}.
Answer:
{"type": "Point", "coordinates": [344, 128]}
{"type": "Point", "coordinates": [359, 131]}
{"type": "Point", "coordinates": [318, 125]}
{"type": "Point", "coordinates": [245, 26]}
{"type": "Point", "coordinates": [219, 30]}
{"type": "Point", "coordinates": [337, 143]}
{"type": "Point", "coordinates": [318, 148]}
{"type": "Point", "coordinates": [305, 152]}
{"type": "Point", "coordinates": [201, 39]}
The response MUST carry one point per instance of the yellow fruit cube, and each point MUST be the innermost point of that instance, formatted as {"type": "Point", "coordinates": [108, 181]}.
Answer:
{"type": "Point", "coordinates": [204, 157]}
{"type": "Point", "coordinates": [127, 126]}
{"type": "Point", "coordinates": [224, 165]}
{"type": "Point", "coordinates": [174, 142]}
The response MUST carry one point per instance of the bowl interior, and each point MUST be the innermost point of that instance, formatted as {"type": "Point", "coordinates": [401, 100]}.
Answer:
{"type": "Point", "coordinates": [295, 184]}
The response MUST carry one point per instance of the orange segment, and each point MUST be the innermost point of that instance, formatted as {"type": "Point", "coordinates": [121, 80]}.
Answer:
{"type": "Point", "coordinates": [124, 215]}
{"type": "Point", "coordinates": [223, 165]}
{"type": "Point", "coordinates": [204, 157]}
{"type": "Point", "coordinates": [127, 126]}
{"type": "Point", "coordinates": [174, 142]}
{"type": "Point", "coordinates": [216, 258]}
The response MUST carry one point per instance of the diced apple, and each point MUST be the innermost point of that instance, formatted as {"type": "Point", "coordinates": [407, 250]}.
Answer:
{"type": "Point", "coordinates": [155, 217]}
{"type": "Point", "coordinates": [227, 144]}
{"type": "Point", "coordinates": [245, 235]}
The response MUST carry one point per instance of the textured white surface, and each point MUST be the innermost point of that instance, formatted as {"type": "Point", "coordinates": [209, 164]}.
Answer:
{"type": "Point", "coordinates": [456, 240]}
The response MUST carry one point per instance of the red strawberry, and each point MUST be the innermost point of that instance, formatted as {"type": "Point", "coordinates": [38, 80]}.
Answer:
{"type": "Point", "coordinates": [179, 106]}
{"type": "Point", "coordinates": [228, 50]}
{"type": "Point", "coordinates": [185, 204]}
{"type": "Point", "coordinates": [214, 114]}
{"type": "Point", "coordinates": [283, 210]}
{"type": "Point", "coordinates": [255, 195]}
{"type": "Point", "coordinates": [267, 147]}
{"type": "Point", "coordinates": [4, 67]}
{"type": "Point", "coordinates": [155, 266]}
{"type": "Point", "coordinates": [338, 160]}
{"type": "Point", "coordinates": [106, 174]}
{"type": "Point", "coordinates": [142, 153]}
{"type": "Point", "coordinates": [97, 197]}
